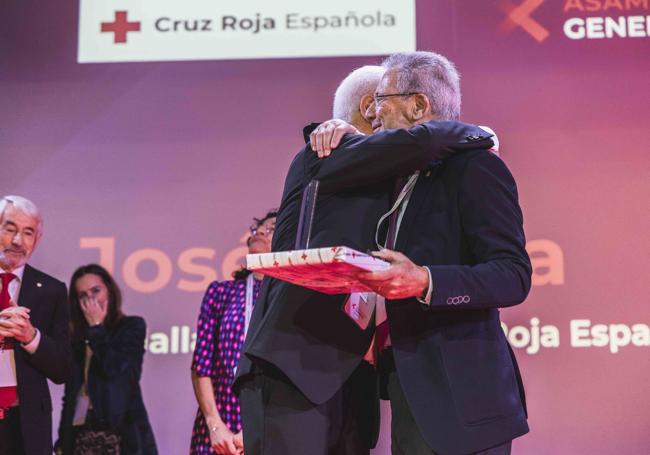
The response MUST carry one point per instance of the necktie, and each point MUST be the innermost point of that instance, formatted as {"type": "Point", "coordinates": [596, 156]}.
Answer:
{"type": "Point", "coordinates": [7, 394]}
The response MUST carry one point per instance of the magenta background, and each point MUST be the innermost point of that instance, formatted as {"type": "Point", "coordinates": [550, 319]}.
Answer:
{"type": "Point", "coordinates": [180, 155]}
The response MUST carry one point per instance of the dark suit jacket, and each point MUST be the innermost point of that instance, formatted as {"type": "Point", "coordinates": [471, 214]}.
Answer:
{"type": "Point", "coordinates": [113, 385]}
{"type": "Point", "coordinates": [454, 363]}
{"type": "Point", "coordinates": [47, 299]}
{"type": "Point", "coordinates": [305, 333]}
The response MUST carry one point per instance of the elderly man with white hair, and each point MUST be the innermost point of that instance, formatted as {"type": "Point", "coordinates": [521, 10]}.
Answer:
{"type": "Point", "coordinates": [33, 334]}
{"type": "Point", "coordinates": [456, 246]}
{"type": "Point", "coordinates": [305, 387]}
{"type": "Point", "coordinates": [354, 96]}
{"type": "Point", "coordinates": [339, 411]}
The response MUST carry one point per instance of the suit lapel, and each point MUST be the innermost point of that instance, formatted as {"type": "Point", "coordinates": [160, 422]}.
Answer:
{"type": "Point", "coordinates": [26, 298]}
{"type": "Point", "coordinates": [421, 193]}
{"type": "Point", "coordinates": [27, 294]}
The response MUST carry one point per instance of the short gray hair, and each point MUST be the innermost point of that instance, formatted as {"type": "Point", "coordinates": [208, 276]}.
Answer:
{"type": "Point", "coordinates": [25, 206]}
{"type": "Point", "coordinates": [358, 83]}
{"type": "Point", "coordinates": [431, 74]}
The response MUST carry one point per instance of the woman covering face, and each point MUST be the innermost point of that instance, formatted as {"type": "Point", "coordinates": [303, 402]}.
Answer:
{"type": "Point", "coordinates": [103, 410]}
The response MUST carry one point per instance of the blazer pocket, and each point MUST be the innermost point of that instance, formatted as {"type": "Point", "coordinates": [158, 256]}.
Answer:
{"type": "Point", "coordinates": [482, 380]}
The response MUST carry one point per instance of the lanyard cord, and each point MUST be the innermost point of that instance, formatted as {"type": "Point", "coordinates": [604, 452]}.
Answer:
{"type": "Point", "coordinates": [248, 309]}
{"type": "Point", "coordinates": [408, 188]}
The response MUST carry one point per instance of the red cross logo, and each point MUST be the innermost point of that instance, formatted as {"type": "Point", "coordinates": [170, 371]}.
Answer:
{"type": "Point", "coordinates": [519, 16]}
{"type": "Point", "coordinates": [120, 27]}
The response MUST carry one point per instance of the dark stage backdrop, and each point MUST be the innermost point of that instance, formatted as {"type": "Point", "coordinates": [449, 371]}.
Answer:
{"type": "Point", "coordinates": [155, 170]}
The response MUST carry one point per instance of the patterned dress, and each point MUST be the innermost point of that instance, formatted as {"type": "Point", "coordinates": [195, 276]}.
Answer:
{"type": "Point", "coordinates": [219, 338]}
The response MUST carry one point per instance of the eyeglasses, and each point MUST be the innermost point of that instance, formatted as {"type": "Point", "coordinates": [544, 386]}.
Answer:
{"type": "Point", "coordinates": [268, 230]}
{"type": "Point", "coordinates": [379, 98]}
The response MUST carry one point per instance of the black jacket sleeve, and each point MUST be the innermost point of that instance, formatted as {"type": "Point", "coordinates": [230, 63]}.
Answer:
{"type": "Point", "coordinates": [120, 352]}
{"type": "Point", "coordinates": [492, 223]}
{"type": "Point", "coordinates": [53, 357]}
{"type": "Point", "coordinates": [362, 160]}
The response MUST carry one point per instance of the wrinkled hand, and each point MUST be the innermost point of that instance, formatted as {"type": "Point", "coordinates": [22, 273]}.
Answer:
{"type": "Point", "coordinates": [223, 441]}
{"type": "Point", "coordinates": [403, 279]}
{"type": "Point", "coordinates": [93, 310]}
{"type": "Point", "coordinates": [15, 311]}
{"type": "Point", "coordinates": [327, 136]}
{"type": "Point", "coordinates": [15, 323]}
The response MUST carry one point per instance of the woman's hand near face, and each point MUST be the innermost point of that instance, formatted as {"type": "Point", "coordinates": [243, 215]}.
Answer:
{"type": "Point", "coordinates": [93, 310]}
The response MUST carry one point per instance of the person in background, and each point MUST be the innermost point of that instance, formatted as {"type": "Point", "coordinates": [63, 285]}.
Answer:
{"type": "Point", "coordinates": [103, 410]}
{"type": "Point", "coordinates": [223, 320]}
{"type": "Point", "coordinates": [33, 333]}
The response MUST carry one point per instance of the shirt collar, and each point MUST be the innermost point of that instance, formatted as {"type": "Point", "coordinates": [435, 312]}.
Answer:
{"type": "Point", "coordinates": [19, 273]}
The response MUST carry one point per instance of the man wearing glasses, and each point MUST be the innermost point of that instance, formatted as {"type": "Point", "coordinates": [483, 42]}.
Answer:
{"type": "Point", "coordinates": [33, 334]}
{"type": "Point", "coordinates": [305, 388]}
{"type": "Point", "coordinates": [457, 255]}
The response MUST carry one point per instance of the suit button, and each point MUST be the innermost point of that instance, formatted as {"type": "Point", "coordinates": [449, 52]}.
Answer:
{"type": "Point", "coordinates": [457, 300]}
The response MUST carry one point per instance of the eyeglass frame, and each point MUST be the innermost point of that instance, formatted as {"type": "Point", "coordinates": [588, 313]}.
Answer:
{"type": "Point", "coordinates": [379, 98]}
{"type": "Point", "coordinates": [256, 227]}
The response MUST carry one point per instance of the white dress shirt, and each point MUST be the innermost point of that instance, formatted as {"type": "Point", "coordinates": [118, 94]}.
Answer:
{"type": "Point", "coordinates": [14, 294]}
{"type": "Point", "coordinates": [8, 358]}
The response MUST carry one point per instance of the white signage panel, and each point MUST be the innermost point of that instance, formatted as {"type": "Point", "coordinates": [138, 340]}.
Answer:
{"type": "Point", "coordinates": [167, 30]}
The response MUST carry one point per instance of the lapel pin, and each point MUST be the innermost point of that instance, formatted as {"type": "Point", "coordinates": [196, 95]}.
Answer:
{"type": "Point", "coordinates": [39, 285]}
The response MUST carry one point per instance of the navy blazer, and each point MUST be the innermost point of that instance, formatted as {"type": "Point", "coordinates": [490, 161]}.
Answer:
{"type": "Point", "coordinates": [458, 373]}
{"type": "Point", "coordinates": [305, 333]}
{"type": "Point", "coordinates": [47, 299]}
{"type": "Point", "coordinates": [113, 385]}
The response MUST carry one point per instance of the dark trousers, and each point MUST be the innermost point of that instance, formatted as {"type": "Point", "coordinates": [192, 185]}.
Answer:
{"type": "Point", "coordinates": [11, 438]}
{"type": "Point", "coordinates": [406, 438]}
{"type": "Point", "coordinates": [277, 419]}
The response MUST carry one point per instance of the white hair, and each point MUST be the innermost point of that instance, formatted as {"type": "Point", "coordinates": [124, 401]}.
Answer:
{"type": "Point", "coordinates": [24, 205]}
{"type": "Point", "coordinates": [358, 83]}
{"type": "Point", "coordinates": [431, 74]}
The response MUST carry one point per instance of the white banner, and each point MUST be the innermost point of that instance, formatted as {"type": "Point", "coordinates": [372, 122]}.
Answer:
{"type": "Point", "coordinates": [167, 30]}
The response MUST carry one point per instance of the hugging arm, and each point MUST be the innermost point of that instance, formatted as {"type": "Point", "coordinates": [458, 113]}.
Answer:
{"type": "Point", "coordinates": [361, 160]}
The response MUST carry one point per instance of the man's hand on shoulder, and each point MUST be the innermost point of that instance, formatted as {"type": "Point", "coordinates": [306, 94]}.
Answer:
{"type": "Point", "coordinates": [327, 136]}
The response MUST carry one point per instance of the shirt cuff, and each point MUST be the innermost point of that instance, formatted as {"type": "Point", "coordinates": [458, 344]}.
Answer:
{"type": "Point", "coordinates": [427, 297]}
{"type": "Point", "coordinates": [32, 346]}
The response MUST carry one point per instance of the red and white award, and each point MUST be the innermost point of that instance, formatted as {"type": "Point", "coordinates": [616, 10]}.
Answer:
{"type": "Point", "coordinates": [331, 270]}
